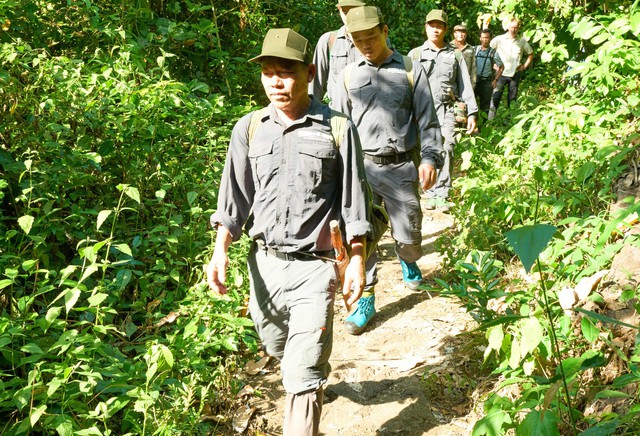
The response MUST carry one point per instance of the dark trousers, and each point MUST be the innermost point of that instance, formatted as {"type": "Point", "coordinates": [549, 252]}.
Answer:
{"type": "Point", "coordinates": [484, 91]}
{"type": "Point", "coordinates": [512, 95]}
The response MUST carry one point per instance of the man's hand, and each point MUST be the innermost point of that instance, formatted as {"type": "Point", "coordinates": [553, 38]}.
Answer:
{"type": "Point", "coordinates": [217, 272]}
{"type": "Point", "coordinates": [471, 125]}
{"type": "Point", "coordinates": [216, 269]}
{"type": "Point", "coordinates": [354, 279]}
{"type": "Point", "coordinates": [428, 175]}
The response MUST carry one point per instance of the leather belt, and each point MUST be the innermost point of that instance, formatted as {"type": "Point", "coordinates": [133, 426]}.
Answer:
{"type": "Point", "coordinates": [484, 78]}
{"type": "Point", "coordinates": [390, 158]}
{"type": "Point", "coordinates": [296, 255]}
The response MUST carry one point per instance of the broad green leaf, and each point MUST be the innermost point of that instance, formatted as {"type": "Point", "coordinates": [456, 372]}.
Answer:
{"type": "Point", "coordinates": [5, 282]}
{"type": "Point", "coordinates": [492, 423]}
{"type": "Point", "coordinates": [132, 193]}
{"type": "Point", "coordinates": [26, 222]}
{"type": "Point", "coordinates": [31, 348]}
{"type": "Point", "coordinates": [124, 248]}
{"type": "Point", "coordinates": [495, 336]}
{"type": "Point", "coordinates": [71, 298]}
{"type": "Point", "coordinates": [466, 160]}
{"type": "Point", "coordinates": [589, 330]}
{"type": "Point", "coordinates": [538, 423]}
{"type": "Point", "coordinates": [151, 371]}
{"type": "Point", "coordinates": [167, 355]}
{"type": "Point", "coordinates": [531, 335]}
{"type": "Point", "coordinates": [89, 271]}
{"type": "Point", "coordinates": [602, 429]}
{"type": "Point", "coordinates": [102, 216]}
{"type": "Point", "coordinates": [608, 393]}
{"type": "Point", "coordinates": [529, 241]}
{"type": "Point", "coordinates": [604, 318]}
{"type": "Point", "coordinates": [35, 414]}
{"type": "Point", "coordinates": [515, 355]}
{"type": "Point", "coordinates": [96, 299]}
{"type": "Point", "coordinates": [191, 197]}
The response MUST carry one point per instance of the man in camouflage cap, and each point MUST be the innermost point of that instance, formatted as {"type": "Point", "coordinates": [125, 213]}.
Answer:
{"type": "Point", "coordinates": [284, 169]}
{"type": "Point", "coordinates": [388, 97]}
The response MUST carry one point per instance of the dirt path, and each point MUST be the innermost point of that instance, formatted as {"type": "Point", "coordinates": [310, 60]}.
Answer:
{"type": "Point", "coordinates": [413, 370]}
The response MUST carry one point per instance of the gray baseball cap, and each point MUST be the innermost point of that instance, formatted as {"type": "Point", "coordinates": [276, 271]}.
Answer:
{"type": "Point", "coordinates": [285, 44]}
{"type": "Point", "coordinates": [436, 15]}
{"type": "Point", "coordinates": [363, 18]}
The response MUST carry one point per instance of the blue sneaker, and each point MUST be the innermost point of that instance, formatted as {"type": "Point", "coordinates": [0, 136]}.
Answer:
{"type": "Point", "coordinates": [358, 320]}
{"type": "Point", "coordinates": [411, 274]}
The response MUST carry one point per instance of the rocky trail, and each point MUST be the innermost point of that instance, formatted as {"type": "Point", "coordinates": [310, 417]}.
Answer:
{"type": "Point", "coordinates": [413, 372]}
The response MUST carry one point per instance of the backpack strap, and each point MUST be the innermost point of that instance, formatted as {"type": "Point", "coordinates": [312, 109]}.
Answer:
{"type": "Point", "coordinates": [256, 117]}
{"type": "Point", "coordinates": [332, 40]}
{"type": "Point", "coordinates": [408, 67]}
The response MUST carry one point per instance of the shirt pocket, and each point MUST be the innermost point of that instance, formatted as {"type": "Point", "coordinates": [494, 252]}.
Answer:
{"type": "Point", "coordinates": [339, 60]}
{"type": "Point", "coordinates": [360, 90]}
{"type": "Point", "coordinates": [262, 162]}
{"type": "Point", "coordinates": [317, 166]}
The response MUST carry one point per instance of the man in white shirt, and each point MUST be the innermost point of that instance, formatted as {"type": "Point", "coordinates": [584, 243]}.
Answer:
{"type": "Point", "coordinates": [511, 50]}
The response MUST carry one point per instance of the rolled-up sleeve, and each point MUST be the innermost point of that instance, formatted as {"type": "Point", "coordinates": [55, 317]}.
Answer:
{"type": "Point", "coordinates": [355, 197]}
{"type": "Point", "coordinates": [423, 108]}
{"type": "Point", "coordinates": [235, 197]}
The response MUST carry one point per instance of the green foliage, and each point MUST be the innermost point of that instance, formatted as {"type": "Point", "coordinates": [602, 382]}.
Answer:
{"type": "Point", "coordinates": [553, 158]}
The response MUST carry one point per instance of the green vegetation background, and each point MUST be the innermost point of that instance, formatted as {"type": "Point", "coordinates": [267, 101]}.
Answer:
{"type": "Point", "coordinates": [114, 121]}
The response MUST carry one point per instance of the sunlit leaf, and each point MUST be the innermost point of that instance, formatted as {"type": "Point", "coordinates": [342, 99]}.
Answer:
{"type": "Point", "coordinates": [26, 222]}
{"type": "Point", "coordinates": [529, 241]}
{"type": "Point", "coordinates": [102, 216]}
{"type": "Point", "coordinates": [538, 423]}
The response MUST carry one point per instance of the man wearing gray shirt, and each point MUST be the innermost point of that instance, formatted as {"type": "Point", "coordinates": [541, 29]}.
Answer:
{"type": "Point", "coordinates": [449, 80]}
{"type": "Point", "coordinates": [333, 52]}
{"type": "Point", "coordinates": [292, 173]}
{"type": "Point", "coordinates": [388, 97]}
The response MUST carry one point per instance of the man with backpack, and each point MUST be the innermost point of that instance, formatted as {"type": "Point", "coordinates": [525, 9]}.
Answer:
{"type": "Point", "coordinates": [388, 97]}
{"type": "Point", "coordinates": [450, 83]}
{"type": "Point", "coordinates": [291, 169]}
{"type": "Point", "coordinates": [489, 68]}
{"type": "Point", "coordinates": [333, 52]}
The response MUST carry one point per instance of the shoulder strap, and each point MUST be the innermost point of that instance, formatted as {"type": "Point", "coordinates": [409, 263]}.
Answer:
{"type": "Point", "coordinates": [256, 116]}
{"type": "Point", "coordinates": [332, 40]}
{"type": "Point", "coordinates": [347, 75]}
{"type": "Point", "coordinates": [338, 122]}
{"type": "Point", "coordinates": [408, 67]}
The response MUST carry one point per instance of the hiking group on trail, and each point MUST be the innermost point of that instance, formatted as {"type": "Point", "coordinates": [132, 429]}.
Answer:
{"type": "Point", "coordinates": [387, 135]}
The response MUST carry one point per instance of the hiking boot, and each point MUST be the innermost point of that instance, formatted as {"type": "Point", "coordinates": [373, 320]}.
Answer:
{"type": "Point", "coordinates": [430, 204]}
{"type": "Point", "coordinates": [411, 274]}
{"type": "Point", "coordinates": [445, 207]}
{"type": "Point", "coordinates": [358, 320]}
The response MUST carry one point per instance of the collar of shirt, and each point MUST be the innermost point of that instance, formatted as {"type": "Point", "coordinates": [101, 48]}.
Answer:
{"type": "Point", "coordinates": [314, 112]}
{"type": "Point", "coordinates": [428, 45]}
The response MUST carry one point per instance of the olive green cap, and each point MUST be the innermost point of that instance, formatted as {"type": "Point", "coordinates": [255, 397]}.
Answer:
{"type": "Point", "coordinates": [363, 18]}
{"type": "Point", "coordinates": [461, 27]}
{"type": "Point", "coordinates": [285, 44]}
{"type": "Point", "coordinates": [350, 3]}
{"type": "Point", "coordinates": [436, 15]}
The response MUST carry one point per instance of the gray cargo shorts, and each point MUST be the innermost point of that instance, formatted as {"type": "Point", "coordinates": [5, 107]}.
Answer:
{"type": "Point", "coordinates": [291, 304]}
